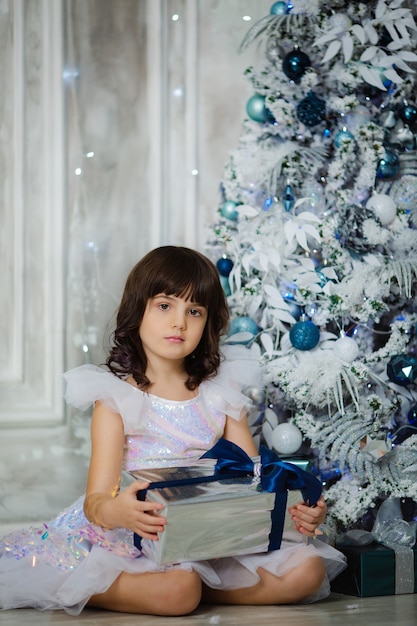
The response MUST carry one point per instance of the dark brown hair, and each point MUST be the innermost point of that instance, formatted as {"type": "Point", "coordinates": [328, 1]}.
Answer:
{"type": "Point", "coordinates": [174, 271]}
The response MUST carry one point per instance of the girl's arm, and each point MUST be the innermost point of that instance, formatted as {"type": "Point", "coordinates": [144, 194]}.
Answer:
{"type": "Point", "coordinates": [306, 519]}
{"type": "Point", "coordinates": [237, 431]}
{"type": "Point", "coordinates": [104, 505]}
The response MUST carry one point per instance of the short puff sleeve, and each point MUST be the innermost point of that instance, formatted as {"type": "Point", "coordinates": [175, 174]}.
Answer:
{"type": "Point", "coordinates": [239, 370]}
{"type": "Point", "coordinates": [87, 384]}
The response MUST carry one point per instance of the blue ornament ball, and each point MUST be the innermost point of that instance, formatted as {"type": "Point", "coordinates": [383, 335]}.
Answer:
{"type": "Point", "coordinates": [311, 110]}
{"type": "Point", "coordinates": [402, 369]}
{"type": "Point", "coordinates": [294, 65]}
{"type": "Point", "coordinates": [408, 114]}
{"type": "Point", "coordinates": [304, 335]}
{"type": "Point", "coordinates": [229, 211]}
{"type": "Point", "coordinates": [243, 324]}
{"type": "Point", "coordinates": [389, 165]}
{"type": "Point", "coordinates": [279, 8]}
{"type": "Point", "coordinates": [224, 266]}
{"type": "Point", "coordinates": [257, 110]}
{"type": "Point", "coordinates": [343, 136]}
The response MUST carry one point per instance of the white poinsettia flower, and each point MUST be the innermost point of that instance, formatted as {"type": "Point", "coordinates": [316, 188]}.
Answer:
{"type": "Point", "coordinates": [301, 227]}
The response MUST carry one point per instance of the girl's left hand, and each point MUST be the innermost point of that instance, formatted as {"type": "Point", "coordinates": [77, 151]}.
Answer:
{"type": "Point", "coordinates": [306, 518]}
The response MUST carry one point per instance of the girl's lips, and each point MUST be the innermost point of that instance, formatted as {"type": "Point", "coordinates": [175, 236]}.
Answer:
{"type": "Point", "coordinates": [175, 339]}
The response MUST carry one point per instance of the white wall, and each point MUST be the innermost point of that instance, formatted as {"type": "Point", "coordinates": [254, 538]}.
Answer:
{"type": "Point", "coordinates": [153, 98]}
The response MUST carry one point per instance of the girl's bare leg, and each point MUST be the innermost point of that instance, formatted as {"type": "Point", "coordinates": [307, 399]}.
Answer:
{"type": "Point", "coordinates": [153, 593]}
{"type": "Point", "coordinates": [294, 586]}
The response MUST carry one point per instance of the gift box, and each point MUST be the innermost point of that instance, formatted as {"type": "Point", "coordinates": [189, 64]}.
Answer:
{"type": "Point", "coordinates": [207, 519]}
{"type": "Point", "coordinates": [235, 506]}
{"type": "Point", "coordinates": [373, 570]}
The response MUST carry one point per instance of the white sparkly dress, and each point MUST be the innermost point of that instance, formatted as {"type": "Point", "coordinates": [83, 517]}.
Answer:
{"type": "Point", "coordinates": [61, 564]}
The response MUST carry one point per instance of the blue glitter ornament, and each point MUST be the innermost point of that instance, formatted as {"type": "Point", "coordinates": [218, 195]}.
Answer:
{"type": "Point", "coordinates": [311, 110]}
{"type": "Point", "coordinates": [304, 335]}
{"type": "Point", "coordinates": [243, 324]}
{"type": "Point", "coordinates": [228, 210]}
{"type": "Point", "coordinates": [257, 111]}
{"type": "Point", "coordinates": [343, 136]}
{"type": "Point", "coordinates": [402, 369]}
{"type": "Point", "coordinates": [224, 266]}
{"type": "Point", "coordinates": [389, 165]}
{"type": "Point", "coordinates": [279, 8]}
{"type": "Point", "coordinates": [294, 65]}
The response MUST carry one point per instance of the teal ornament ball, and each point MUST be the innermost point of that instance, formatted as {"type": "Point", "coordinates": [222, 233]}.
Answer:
{"type": "Point", "coordinates": [402, 369]}
{"type": "Point", "coordinates": [257, 110]}
{"type": "Point", "coordinates": [408, 114]}
{"type": "Point", "coordinates": [311, 110]}
{"type": "Point", "coordinates": [304, 335]}
{"type": "Point", "coordinates": [343, 136]}
{"type": "Point", "coordinates": [279, 8]}
{"type": "Point", "coordinates": [224, 266]}
{"type": "Point", "coordinates": [243, 324]}
{"type": "Point", "coordinates": [229, 211]}
{"type": "Point", "coordinates": [294, 65]}
{"type": "Point", "coordinates": [389, 165]}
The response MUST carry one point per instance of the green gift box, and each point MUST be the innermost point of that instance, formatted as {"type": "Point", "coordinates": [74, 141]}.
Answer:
{"type": "Point", "coordinates": [371, 571]}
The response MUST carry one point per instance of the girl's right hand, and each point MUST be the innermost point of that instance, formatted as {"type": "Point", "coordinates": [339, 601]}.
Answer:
{"type": "Point", "coordinates": [139, 516]}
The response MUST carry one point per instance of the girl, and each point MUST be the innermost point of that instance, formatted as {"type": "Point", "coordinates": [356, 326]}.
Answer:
{"type": "Point", "coordinates": [167, 398]}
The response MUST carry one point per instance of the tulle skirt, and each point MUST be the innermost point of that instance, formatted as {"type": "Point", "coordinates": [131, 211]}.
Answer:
{"type": "Point", "coordinates": [61, 564]}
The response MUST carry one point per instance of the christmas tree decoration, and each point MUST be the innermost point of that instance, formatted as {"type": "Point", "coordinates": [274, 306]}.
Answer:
{"type": "Point", "coordinates": [229, 211]}
{"type": "Point", "coordinates": [224, 281]}
{"type": "Point", "coordinates": [224, 266]}
{"type": "Point", "coordinates": [389, 165]}
{"type": "Point", "coordinates": [286, 438]}
{"type": "Point", "coordinates": [279, 8]}
{"type": "Point", "coordinates": [402, 369]}
{"type": "Point", "coordinates": [257, 110]}
{"type": "Point", "coordinates": [343, 136]}
{"type": "Point", "coordinates": [295, 64]}
{"type": "Point", "coordinates": [346, 348]}
{"type": "Point", "coordinates": [408, 114]}
{"type": "Point", "coordinates": [288, 198]}
{"type": "Point", "coordinates": [243, 324]}
{"type": "Point", "coordinates": [383, 206]}
{"type": "Point", "coordinates": [304, 335]}
{"type": "Point", "coordinates": [311, 110]}
{"type": "Point", "coordinates": [326, 271]}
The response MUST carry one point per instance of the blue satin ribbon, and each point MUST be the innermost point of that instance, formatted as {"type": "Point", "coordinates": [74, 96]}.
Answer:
{"type": "Point", "coordinates": [276, 475]}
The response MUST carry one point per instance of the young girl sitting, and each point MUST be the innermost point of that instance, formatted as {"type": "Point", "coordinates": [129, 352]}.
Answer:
{"type": "Point", "coordinates": [167, 397]}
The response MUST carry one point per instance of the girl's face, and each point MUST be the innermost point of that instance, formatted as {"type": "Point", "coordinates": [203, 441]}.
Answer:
{"type": "Point", "coordinates": [171, 327]}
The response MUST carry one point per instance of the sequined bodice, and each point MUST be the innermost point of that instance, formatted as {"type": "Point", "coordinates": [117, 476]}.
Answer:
{"type": "Point", "coordinates": [172, 432]}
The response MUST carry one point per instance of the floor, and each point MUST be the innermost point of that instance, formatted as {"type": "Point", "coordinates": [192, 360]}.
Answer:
{"type": "Point", "coordinates": [337, 609]}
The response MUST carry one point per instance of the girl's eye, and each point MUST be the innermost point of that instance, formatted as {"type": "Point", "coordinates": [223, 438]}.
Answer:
{"type": "Point", "coordinates": [164, 306]}
{"type": "Point", "coordinates": [195, 312]}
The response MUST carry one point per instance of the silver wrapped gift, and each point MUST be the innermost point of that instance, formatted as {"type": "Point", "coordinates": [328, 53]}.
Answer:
{"type": "Point", "coordinates": [206, 520]}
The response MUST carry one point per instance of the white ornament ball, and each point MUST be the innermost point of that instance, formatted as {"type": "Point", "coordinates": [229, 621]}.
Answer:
{"type": "Point", "coordinates": [346, 349]}
{"type": "Point", "coordinates": [384, 208]}
{"type": "Point", "coordinates": [286, 438]}
{"type": "Point", "coordinates": [340, 21]}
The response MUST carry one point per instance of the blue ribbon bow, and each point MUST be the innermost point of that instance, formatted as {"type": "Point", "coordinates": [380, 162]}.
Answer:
{"type": "Point", "coordinates": [276, 475]}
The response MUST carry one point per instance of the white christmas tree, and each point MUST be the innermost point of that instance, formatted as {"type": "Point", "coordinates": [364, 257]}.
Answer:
{"type": "Point", "coordinates": [316, 243]}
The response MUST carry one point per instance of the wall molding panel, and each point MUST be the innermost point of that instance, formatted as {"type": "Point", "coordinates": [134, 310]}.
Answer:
{"type": "Point", "coordinates": [33, 213]}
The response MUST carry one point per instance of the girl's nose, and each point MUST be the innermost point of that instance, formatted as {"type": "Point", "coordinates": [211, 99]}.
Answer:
{"type": "Point", "coordinates": [179, 322]}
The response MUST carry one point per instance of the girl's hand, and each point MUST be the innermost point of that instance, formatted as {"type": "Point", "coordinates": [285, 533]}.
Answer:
{"type": "Point", "coordinates": [141, 517]}
{"type": "Point", "coordinates": [306, 518]}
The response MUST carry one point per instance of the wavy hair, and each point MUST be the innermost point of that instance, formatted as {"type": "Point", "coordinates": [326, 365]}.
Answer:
{"type": "Point", "coordinates": [174, 271]}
